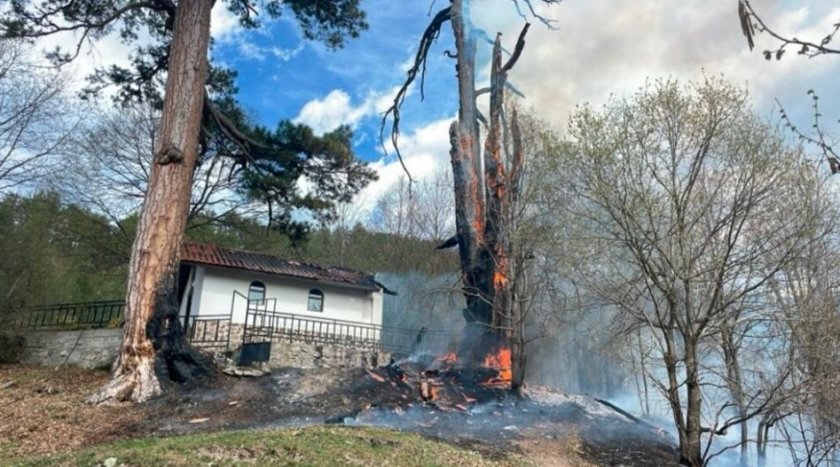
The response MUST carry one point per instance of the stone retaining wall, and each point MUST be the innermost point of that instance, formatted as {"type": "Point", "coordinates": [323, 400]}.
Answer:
{"type": "Point", "coordinates": [97, 348]}
{"type": "Point", "coordinates": [89, 348]}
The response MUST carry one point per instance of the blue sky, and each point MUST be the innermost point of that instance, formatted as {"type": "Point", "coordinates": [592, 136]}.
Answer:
{"type": "Point", "coordinates": [599, 48]}
{"type": "Point", "coordinates": [279, 72]}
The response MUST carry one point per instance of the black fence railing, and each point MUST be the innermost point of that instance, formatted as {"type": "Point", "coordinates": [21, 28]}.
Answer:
{"type": "Point", "coordinates": [264, 324]}
{"type": "Point", "coordinates": [90, 315]}
{"type": "Point", "coordinates": [212, 330]}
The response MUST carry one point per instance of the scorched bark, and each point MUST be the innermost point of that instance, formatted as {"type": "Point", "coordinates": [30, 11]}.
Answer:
{"type": "Point", "coordinates": [154, 257]}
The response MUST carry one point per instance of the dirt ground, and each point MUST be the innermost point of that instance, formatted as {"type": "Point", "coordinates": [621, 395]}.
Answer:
{"type": "Point", "coordinates": [42, 411]}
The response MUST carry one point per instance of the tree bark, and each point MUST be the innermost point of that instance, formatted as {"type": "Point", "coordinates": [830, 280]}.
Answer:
{"type": "Point", "coordinates": [470, 214]}
{"type": "Point", "coordinates": [735, 385]}
{"type": "Point", "coordinates": [691, 449]}
{"type": "Point", "coordinates": [156, 250]}
{"type": "Point", "coordinates": [483, 196]}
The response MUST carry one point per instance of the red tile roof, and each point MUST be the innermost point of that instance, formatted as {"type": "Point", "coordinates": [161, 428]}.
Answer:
{"type": "Point", "coordinates": [212, 255]}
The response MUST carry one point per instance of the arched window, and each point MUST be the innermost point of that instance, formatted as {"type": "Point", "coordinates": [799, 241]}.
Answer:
{"type": "Point", "coordinates": [316, 300]}
{"type": "Point", "coordinates": [256, 293]}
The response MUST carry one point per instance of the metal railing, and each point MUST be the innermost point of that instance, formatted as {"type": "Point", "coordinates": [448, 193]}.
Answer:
{"type": "Point", "coordinates": [90, 315]}
{"type": "Point", "coordinates": [263, 324]}
{"type": "Point", "coordinates": [208, 329]}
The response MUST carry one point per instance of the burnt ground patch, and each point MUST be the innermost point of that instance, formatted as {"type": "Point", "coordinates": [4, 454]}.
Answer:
{"type": "Point", "coordinates": [546, 424]}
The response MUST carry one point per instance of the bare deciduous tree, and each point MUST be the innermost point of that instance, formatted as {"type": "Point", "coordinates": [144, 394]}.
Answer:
{"type": "Point", "coordinates": [34, 117]}
{"type": "Point", "coordinates": [423, 211]}
{"type": "Point", "coordinates": [678, 193]}
{"type": "Point", "coordinates": [114, 158]}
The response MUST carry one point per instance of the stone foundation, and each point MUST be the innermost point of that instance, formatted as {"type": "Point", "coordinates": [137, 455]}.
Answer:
{"type": "Point", "coordinates": [97, 348]}
{"type": "Point", "coordinates": [302, 354]}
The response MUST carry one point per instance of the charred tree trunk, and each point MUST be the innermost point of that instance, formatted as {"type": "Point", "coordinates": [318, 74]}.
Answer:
{"type": "Point", "coordinates": [470, 216]}
{"type": "Point", "coordinates": [482, 204]}
{"type": "Point", "coordinates": [152, 328]}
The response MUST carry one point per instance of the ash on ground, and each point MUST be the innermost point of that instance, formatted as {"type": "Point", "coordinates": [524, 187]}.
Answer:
{"type": "Point", "coordinates": [606, 436]}
{"type": "Point", "coordinates": [486, 419]}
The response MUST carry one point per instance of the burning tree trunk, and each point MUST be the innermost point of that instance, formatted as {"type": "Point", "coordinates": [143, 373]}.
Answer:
{"type": "Point", "coordinates": [163, 217]}
{"type": "Point", "coordinates": [485, 190]}
{"type": "Point", "coordinates": [470, 217]}
{"type": "Point", "coordinates": [482, 202]}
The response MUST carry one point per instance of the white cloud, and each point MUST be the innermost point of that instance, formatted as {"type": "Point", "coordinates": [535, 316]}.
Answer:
{"type": "Point", "coordinates": [224, 25]}
{"type": "Point", "coordinates": [604, 47]}
{"type": "Point", "coordinates": [252, 51]}
{"type": "Point", "coordinates": [226, 29]}
{"type": "Point", "coordinates": [286, 54]}
{"type": "Point", "coordinates": [336, 109]}
{"type": "Point", "coordinates": [330, 112]}
{"type": "Point", "coordinates": [424, 150]}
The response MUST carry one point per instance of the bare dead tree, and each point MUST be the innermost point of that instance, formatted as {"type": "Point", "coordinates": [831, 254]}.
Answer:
{"type": "Point", "coordinates": [485, 186]}
{"type": "Point", "coordinates": [424, 211]}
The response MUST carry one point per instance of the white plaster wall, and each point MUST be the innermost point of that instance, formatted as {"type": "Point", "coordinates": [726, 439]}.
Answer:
{"type": "Point", "coordinates": [376, 303]}
{"type": "Point", "coordinates": [283, 295]}
{"type": "Point", "coordinates": [198, 283]}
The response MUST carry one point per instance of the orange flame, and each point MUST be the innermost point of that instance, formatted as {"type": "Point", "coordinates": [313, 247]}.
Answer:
{"type": "Point", "coordinates": [500, 361]}
{"type": "Point", "coordinates": [451, 357]}
{"type": "Point", "coordinates": [499, 280]}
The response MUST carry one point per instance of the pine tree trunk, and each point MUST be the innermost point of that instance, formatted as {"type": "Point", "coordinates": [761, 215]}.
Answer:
{"type": "Point", "coordinates": [155, 254]}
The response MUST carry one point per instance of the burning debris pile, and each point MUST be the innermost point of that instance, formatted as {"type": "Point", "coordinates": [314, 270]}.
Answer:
{"type": "Point", "coordinates": [444, 382]}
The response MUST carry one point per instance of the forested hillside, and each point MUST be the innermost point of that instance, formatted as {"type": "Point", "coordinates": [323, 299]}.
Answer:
{"type": "Point", "coordinates": [56, 252]}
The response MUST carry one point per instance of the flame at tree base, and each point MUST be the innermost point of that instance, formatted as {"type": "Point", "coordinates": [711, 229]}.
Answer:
{"type": "Point", "coordinates": [501, 361]}
{"type": "Point", "coordinates": [492, 371]}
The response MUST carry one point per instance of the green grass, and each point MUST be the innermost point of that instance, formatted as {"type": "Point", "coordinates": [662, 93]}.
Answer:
{"type": "Point", "coordinates": [311, 446]}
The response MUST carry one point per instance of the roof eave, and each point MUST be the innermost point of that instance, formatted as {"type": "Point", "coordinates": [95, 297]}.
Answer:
{"type": "Point", "coordinates": [370, 288]}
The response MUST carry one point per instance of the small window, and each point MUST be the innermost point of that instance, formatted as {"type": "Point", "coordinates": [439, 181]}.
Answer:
{"type": "Point", "coordinates": [316, 300]}
{"type": "Point", "coordinates": [256, 293]}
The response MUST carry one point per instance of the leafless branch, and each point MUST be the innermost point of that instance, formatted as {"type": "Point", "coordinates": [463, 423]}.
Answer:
{"type": "Point", "coordinates": [428, 38]}
{"type": "Point", "coordinates": [751, 23]}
